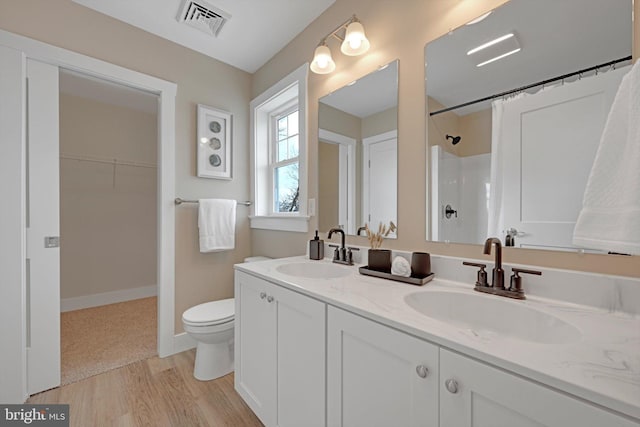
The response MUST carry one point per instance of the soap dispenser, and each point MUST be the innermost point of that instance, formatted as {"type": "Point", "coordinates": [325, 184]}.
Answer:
{"type": "Point", "coordinates": [316, 248]}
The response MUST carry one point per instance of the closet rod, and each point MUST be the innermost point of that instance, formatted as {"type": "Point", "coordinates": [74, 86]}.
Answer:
{"type": "Point", "coordinates": [523, 88]}
{"type": "Point", "coordinates": [108, 161]}
{"type": "Point", "coordinates": [179, 201]}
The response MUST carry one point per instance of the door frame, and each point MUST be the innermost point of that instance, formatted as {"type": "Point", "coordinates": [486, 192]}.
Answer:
{"type": "Point", "coordinates": [346, 178]}
{"type": "Point", "coordinates": [15, 243]}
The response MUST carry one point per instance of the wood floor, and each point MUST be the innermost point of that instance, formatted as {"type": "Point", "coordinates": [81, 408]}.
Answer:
{"type": "Point", "coordinates": [154, 392]}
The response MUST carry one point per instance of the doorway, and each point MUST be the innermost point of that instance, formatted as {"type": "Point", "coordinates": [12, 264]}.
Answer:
{"type": "Point", "coordinates": [29, 353]}
{"type": "Point", "coordinates": [108, 225]}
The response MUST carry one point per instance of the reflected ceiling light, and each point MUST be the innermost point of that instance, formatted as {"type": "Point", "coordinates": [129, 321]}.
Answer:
{"type": "Point", "coordinates": [354, 43]}
{"type": "Point", "coordinates": [504, 55]}
{"type": "Point", "coordinates": [479, 18]}
{"type": "Point", "coordinates": [494, 50]}
{"type": "Point", "coordinates": [491, 43]}
{"type": "Point", "coordinates": [322, 61]}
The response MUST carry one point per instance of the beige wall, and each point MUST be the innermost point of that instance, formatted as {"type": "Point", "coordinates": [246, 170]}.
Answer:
{"type": "Point", "coordinates": [384, 121]}
{"type": "Point", "coordinates": [107, 214]}
{"type": "Point", "coordinates": [328, 190]}
{"type": "Point", "coordinates": [200, 79]}
{"type": "Point", "coordinates": [475, 130]}
{"type": "Point", "coordinates": [386, 25]}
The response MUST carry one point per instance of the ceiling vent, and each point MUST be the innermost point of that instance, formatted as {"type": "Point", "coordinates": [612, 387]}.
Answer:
{"type": "Point", "coordinates": [203, 16]}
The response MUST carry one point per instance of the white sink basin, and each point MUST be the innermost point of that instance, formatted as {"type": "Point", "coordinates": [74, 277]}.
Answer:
{"type": "Point", "coordinates": [314, 270]}
{"type": "Point", "coordinates": [495, 314]}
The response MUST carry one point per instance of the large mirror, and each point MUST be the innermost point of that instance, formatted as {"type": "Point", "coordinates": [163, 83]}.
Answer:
{"type": "Point", "coordinates": [516, 104]}
{"type": "Point", "coordinates": [358, 153]}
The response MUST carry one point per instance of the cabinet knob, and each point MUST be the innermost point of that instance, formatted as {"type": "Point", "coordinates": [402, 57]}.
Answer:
{"type": "Point", "coordinates": [422, 371]}
{"type": "Point", "coordinates": [269, 298]}
{"type": "Point", "coordinates": [451, 385]}
{"type": "Point", "coordinates": [263, 295]}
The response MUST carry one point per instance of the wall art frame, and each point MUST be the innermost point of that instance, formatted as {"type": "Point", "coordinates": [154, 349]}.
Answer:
{"type": "Point", "coordinates": [214, 143]}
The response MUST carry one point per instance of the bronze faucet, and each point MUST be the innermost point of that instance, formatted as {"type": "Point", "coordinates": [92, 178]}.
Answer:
{"type": "Point", "coordinates": [497, 285]}
{"type": "Point", "coordinates": [497, 275]}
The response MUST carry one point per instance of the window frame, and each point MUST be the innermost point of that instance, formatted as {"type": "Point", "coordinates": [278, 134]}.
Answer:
{"type": "Point", "coordinates": [286, 95]}
{"type": "Point", "coordinates": [273, 154]}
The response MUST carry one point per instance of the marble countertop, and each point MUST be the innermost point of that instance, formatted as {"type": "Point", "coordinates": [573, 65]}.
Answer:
{"type": "Point", "coordinates": [603, 366]}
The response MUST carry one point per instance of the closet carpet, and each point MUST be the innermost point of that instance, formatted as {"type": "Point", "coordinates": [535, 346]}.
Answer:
{"type": "Point", "coordinates": [98, 339]}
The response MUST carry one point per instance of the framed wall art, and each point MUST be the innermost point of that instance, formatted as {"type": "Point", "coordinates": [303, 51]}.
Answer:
{"type": "Point", "coordinates": [214, 143]}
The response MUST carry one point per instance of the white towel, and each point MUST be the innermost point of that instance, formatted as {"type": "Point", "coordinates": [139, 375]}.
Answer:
{"type": "Point", "coordinates": [217, 224]}
{"type": "Point", "coordinates": [610, 216]}
{"type": "Point", "coordinates": [400, 267]}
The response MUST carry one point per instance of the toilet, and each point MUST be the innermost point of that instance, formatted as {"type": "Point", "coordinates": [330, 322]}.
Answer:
{"type": "Point", "coordinates": [211, 325]}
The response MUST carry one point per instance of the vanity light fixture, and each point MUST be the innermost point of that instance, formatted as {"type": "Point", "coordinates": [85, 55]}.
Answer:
{"type": "Point", "coordinates": [354, 43]}
{"type": "Point", "coordinates": [322, 61]}
{"type": "Point", "coordinates": [495, 49]}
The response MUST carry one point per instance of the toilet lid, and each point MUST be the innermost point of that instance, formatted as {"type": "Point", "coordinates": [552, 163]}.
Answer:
{"type": "Point", "coordinates": [210, 313]}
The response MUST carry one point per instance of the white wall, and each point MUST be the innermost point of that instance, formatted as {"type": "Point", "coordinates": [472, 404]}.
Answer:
{"type": "Point", "coordinates": [462, 183]}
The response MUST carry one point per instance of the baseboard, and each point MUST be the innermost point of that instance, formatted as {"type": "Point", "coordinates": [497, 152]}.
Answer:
{"type": "Point", "coordinates": [183, 342]}
{"type": "Point", "coordinates": [95, 300]}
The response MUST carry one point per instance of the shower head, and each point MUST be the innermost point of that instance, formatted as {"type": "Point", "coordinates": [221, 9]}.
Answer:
{"type": "Point", "coordinates": [454, 139]}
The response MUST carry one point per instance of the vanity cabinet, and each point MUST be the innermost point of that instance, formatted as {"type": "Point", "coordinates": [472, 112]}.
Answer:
{"type": "Point", "coordinates": [378, 376]}
{"type": "Point", "coordinates": [280, 353]}
{"type": "Point", "coordinates": [475, 394]}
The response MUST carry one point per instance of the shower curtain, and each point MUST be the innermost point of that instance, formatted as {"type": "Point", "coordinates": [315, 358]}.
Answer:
{"type": "Point", "coordinates": [495, 226]}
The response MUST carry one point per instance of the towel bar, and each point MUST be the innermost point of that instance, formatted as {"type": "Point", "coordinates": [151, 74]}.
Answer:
{"type": "Point", "coordinates": [179, 201]}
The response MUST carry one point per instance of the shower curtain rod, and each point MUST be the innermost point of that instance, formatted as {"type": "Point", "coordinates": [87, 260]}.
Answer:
{"type": "Point", "coordinates": [541, 83]}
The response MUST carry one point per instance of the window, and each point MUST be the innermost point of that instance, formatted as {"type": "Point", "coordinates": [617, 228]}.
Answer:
{"type": "Point", "coordinates": [279, 142]}
{"type": "Point", "coordinates": [285, 165]}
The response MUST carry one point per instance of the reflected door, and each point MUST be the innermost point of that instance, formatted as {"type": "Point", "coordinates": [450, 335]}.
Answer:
{"type": "Point", "coordinates": [380, 180]}
{"type": "Point", "coordinates": [550, 142]}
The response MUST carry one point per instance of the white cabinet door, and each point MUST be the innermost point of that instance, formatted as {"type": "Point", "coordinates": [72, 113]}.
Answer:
{"type": "Point", "coordinates": [378, 376]}
{"type": "Point", "coordinates": [255, 347]}
{"type": "Point", "coordinates": [489, 397]}
{"type": "Point", "coordinates": [280, 353]}
{"type": "Point", "coordinates": [301, 359]}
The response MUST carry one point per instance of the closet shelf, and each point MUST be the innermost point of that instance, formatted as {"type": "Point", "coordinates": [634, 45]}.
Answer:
{"type": "Point", "coordinates": [116, 162]}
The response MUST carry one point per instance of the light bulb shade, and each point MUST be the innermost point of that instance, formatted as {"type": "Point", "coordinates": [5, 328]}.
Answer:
{"type": "Point", "coordinates": [355, 42]}
{"type": "Point", "coordinates": [322, 62]}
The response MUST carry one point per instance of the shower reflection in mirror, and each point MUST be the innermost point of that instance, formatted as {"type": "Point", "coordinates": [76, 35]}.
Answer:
{"type": "Point", "coordinates": [358, 153]}
{"type": "Point", "coordinates": [516, 106]}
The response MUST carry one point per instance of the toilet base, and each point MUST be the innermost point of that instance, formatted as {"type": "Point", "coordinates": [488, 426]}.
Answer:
{"type": "Point", "coordinates": [212, 361]}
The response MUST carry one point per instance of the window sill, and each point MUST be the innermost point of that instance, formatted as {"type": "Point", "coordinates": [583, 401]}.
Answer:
{"type": "Point", "coordinates": [298, 224]}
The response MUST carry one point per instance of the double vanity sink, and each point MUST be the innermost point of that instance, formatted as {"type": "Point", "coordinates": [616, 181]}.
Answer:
{"type": "Point", "coordinates": [462, 308]}
{"type": "Point", "coordinates": [439, 354]}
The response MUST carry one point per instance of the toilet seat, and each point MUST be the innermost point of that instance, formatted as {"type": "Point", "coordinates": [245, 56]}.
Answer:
{"type": "Point", "coordinates": [210, 313]}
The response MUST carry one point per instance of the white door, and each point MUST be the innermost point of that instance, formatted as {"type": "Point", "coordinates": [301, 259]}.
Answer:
{"type": "Point", "coordinates": [377, 376]}
{"type": "Point", "coordinates": [542, 191]}
{"type": "Point", "coordinates": [43, 228]}
{"type": "Point", "coordinates": [380, 180]}
{"type": "Point", "coordinates": [475, 394]}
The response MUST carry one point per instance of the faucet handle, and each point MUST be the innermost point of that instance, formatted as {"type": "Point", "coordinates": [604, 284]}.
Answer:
{"type": "Point", "coordinates": [516, 280]}
{"type": "Point", "coordinates": [350, 250]}
{"type": "Point", "coordinates": [336, 252]}
{"type": "Point", "coordinates": [481, 279]}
